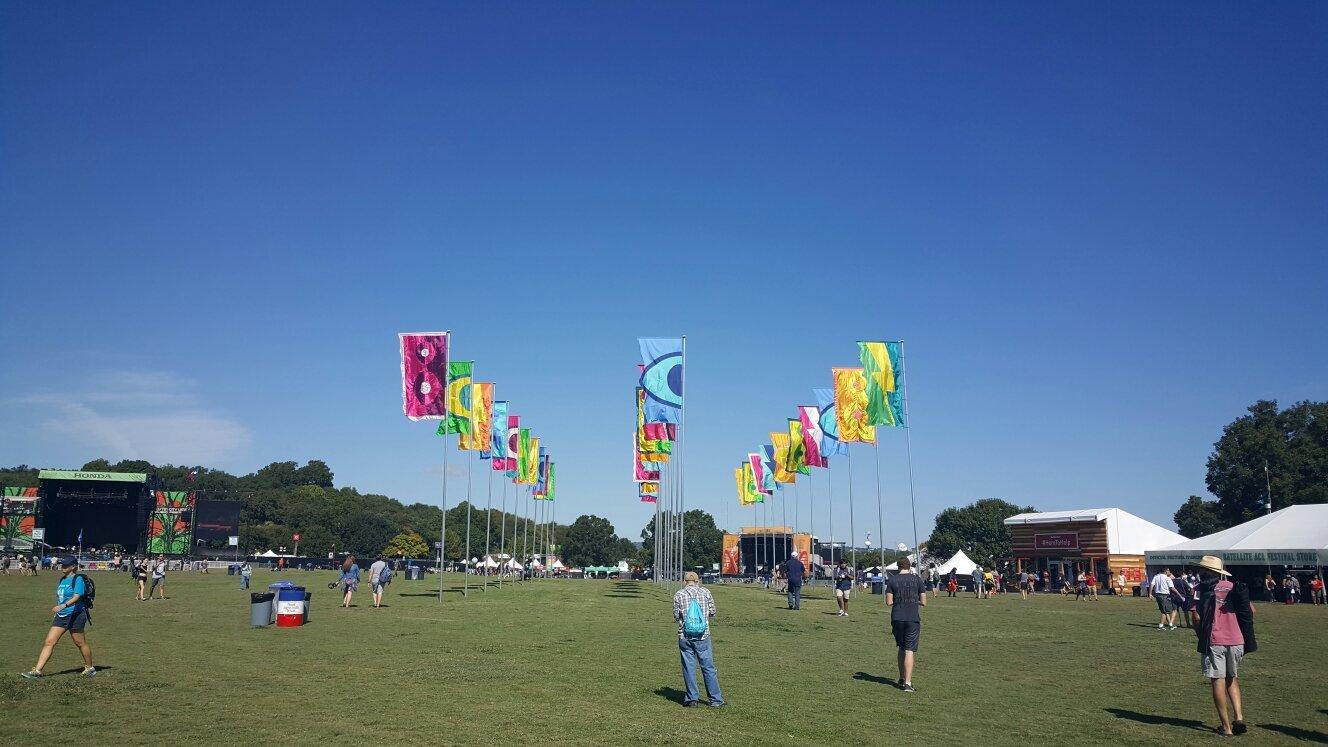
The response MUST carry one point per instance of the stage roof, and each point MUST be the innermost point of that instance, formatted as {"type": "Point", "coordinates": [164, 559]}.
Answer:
{"type": "Point", "coordinates": [59, 474]}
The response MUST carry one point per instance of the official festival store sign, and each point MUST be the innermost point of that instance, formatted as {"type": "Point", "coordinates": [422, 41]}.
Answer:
{"type": "Point", "coordinates": [1242, 557]}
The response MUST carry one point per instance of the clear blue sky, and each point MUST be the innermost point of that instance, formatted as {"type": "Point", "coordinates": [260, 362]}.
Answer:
{"type": "Point", "coordinates": [1102, 234]}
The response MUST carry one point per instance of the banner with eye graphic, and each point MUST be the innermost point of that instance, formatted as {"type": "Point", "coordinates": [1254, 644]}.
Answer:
{"type": "Point", "coordinates": [661, 378]}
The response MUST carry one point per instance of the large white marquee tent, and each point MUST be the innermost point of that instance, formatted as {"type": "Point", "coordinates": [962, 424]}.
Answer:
{"type": "Point", "coordinates": [1293, 536]}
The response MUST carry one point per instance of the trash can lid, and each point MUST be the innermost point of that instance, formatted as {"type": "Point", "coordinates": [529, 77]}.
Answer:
{"type": "Point", "coordinates": [261, 596]}
{"type": "Point", "coordinates": [282, 585]}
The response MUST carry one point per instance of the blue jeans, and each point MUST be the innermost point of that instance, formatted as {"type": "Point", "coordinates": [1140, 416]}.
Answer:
{"type": "Point", "coordinates": [697, 650]}
{"type": "Point", "coordinates": [795, 597]}
{"type": "Point", "coordinates": [244, 581]}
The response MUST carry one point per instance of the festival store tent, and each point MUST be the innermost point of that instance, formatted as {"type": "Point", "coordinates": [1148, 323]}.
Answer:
{"type": "Point", "coordinates": [961, 564]}
{"type": "Point", "coordinates": [1293, 536]}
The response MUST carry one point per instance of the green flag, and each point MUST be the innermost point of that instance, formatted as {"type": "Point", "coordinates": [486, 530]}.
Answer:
{"type": "Point", "coordinates": [458, 398]}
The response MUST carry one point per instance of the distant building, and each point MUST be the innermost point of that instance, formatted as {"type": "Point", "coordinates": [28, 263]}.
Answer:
{"type": "Point", "coordinates": [1106, 540]}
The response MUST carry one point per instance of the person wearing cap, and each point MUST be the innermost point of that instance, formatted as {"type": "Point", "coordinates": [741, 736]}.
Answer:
{"type": "Point", "coordinates": [695, 648]}
{"type": "Point", "coordinates": [71, 614]}
{"type": "Point", "coordinates": [1225, 634]}
{"type": "Point", "coordinates": [793, 571]}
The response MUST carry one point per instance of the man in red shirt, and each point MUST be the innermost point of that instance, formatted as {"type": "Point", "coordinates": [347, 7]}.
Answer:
{"type": "Point", "coordinates": [1226, 634]}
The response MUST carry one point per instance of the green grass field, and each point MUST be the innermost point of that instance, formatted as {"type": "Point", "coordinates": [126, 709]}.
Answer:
{"type": "Point", "coordinates": [597, 662]}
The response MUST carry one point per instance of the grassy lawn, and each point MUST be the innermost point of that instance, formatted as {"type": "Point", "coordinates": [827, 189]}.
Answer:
{"type": "Point", "coordinates": [597, 662]}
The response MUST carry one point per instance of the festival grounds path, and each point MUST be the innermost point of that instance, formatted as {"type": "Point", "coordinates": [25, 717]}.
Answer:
{"type": "Point", "coordinates": [595, 662]}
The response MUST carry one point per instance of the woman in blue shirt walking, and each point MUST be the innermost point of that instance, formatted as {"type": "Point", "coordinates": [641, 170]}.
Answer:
{"type": "Point", "coordinates": [350, 579]}
{"type": "Point", "coordinates": [71, 614]}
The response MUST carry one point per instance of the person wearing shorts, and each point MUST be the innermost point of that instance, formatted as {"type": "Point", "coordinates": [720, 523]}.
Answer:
{"type": "Point", "coordinates": [978, 591]}
{"type": "Point", "coordinates": [158, 577]}
{"type": "Point", "coordinates": [843, 587]}
{"type": "Point", "coordinates": [1161, 587]}
{"type": "Point", "coordinates": [1226, 634]}
{"type": "Point", "coordinates": [905, 596]}
{"type": "Point", "coordinates": [350, 580]}
{"type": "Point", "coordinates": [376, 581]}
{"type": "Point", "coordinates": [1023, 585]}
{"type": "Point", "coordinates": [71, 615]}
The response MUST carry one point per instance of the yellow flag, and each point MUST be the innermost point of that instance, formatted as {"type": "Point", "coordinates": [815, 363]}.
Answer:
{"type": "Point", "coordinates": [781, 443]}
{"type": "Point", "coordinates": [851, 406]}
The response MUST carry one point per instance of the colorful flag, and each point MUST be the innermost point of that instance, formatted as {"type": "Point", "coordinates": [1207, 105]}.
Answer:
{"type": "Point", "coordinates": [643, 471]}
{"type": "Point", "coordinates": [523, 455]}
{"type": "Point", "coordinates": [498, 436]}
{"type": "Point", "coordinates": [548, 491]}
{"type": "Point", "coordinates": [648, 491]}
{"type": "Point", "coordinates": [652, 438]}
{"type": "Point", "coordinates": [797, 452]}
{"type": "Point", "coordinates": [750, 492]}
{"type": "Point", "coordinates": [758, 472]}
{"type": "Point", "coordinates": [424, 374]}
{"type": "Point", "coordinates": [532, 461]}
{"type": "Point", "coordinates": [768, 483]}
{"type": "Point", "coordinates": [661, 377]}
{"type": "Point", "coordinates": [885, 404]}
{"type": "Point", "coordinates": [810, 417]}
{"type": "Point", "coordinates": [851, 406]}
{"type": "Point", "coordinates": [458, 398]}
{"type": "Point", "coordinates": [542, 473]}
{"type": "Point", "coordinates": [830, 443]}
{"type": "Point", "coordinates": [781, 443]}
{"type": "Point", "coordinates": [513, 446]}
{"type": "Point", "coordinates": [742, 490]}
{"type": "Point", "coordinates": [481, 432]}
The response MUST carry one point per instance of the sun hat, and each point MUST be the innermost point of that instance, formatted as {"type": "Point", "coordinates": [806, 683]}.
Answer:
{"type": "Point", "coordinates": [1212, 563]}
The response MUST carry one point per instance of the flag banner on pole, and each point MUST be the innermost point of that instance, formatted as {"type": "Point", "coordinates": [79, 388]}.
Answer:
{"type": "Point", "coordinates": [424, 374]}
{"type": "Point", "coordinates": [661, 377]}
{"type": "Point", "coordinates": [810, 417]}
{"type": "Point", "coordinates": [530, 475]}
{"type": "Point", "coordinates": [750, 493]}
{"type": "Point", "coordinates": [523, 455]}
{"type": "Point", "coordinates": [648, 492]}
{"type": "Point", "coordinates": [885, 405]}
{"type": "Point", "coordinates": [758, 472]}
{"type": "Point", "coordinates": [896, 395]}
{"type": "Point", "coordinates": [644, 471]}
{"type": "Point", "coordinates": [548, 491]}
{"type": "Point", "coordinates": [458, 398]}
{"type": "Point", "coordinates": [481, 431]}
{"type": "Point", "coordinates": [737, 481]}
{"type": "Point", "coordinates": [730, 555]}
{"type": "Point", "coordinates": [851, 406]}
{"type": "Point", "coordinates": [830, 443]}
{"type": "Point", "coordinates": [768, 469]}
{"type": "Point", "coordinates": [498, 436]}
{"type": "Point", "coordinates": [542, 474]}
{"type": "Point", "coordinates": [652, 438]}
{"type": "Point", "coordinates": [781, 443]}
{"type": "Point", "coordinates": [797, 453]}
{"type": "Point", "coordinates": [513, 446]}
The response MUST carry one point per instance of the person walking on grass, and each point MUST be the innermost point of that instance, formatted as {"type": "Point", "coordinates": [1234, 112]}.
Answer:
{"type": "Point", "coordinates": [905, 596]}
{"type": "Point", "coordinates": [952, 582]}
{"type": "Point", "coordinates": [1090, 580]}
{"type": "Point", "coordinates": [978, 591]}
{"type": "Point", "coordinates": [1316, 590]}
{"type": "Point", "coordinates": [1225, 634]}
{"type": "Point", "coordinates": [350, 580]}
{"type": "Point", "coordinates": [158, 577]}
{"type": "Point", "coordinates": [843, 587]}
{"type": "Point", "coordinates": [71, 614]}
{"type": "Point", "coordinates": [694, 608]}
{"type": "Point", "coordinates": [246, 574]}
{"type": "Point", "coordinates": [379, 575]}
{"type": "Point", "coordinates": [1161, 587]}
{"type": "Point", "coordinates": [1023, 584]}
{"type": "Point", "coordinates": [793, 571]}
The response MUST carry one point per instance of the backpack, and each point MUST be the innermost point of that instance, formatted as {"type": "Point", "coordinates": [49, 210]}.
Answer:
{"type": "Point", "coordinates": [385, 575]}
{"type": "Point", "coordinates": [694, 622]}
{"type": "Point", "coordinates": [89, 591]}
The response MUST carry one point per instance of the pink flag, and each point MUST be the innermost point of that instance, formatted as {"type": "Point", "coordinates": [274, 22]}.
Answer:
{"type": "Point", "coordinates": [810, 416]}
{"type": "Point", "coordinates": [424, 374]}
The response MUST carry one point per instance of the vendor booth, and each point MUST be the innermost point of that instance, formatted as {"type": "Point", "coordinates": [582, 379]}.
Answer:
{"type": "Point", "coordinates": [1107, 541]}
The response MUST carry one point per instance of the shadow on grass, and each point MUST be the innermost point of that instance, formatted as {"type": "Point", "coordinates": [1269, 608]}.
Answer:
{"type": "Point", "coordinates": [875, 678]}
{"type": "Point", "coordinates": [433, 593]}
{"type": "Point", "coordinates": [1156, 720]}
{"type": "Point", "coordinates": [624, 596]}
{"type": "Point", "coordinates": [1305, 735]}
{"type": "Point", "coordinates": [1145, 625]}
{"type": "Point", "coordinates": [672, 693]}
{"type": "Point", "coordinates": [79, 670]}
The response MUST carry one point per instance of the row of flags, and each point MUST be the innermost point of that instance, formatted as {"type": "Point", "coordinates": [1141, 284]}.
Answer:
{"type": "Point", "coordinates": [437, 388]}
{"type": "Point", "coordinates": [861, 399]}
{"type": "Point", "coordinates": [659, 399]}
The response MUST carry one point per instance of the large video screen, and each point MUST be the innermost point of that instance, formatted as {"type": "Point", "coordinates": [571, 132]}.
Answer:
{"type": "Point", "coordinates": [216, 520]}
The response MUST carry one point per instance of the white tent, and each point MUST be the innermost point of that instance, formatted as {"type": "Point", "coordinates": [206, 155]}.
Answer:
{"type": "Point", "coordinates": [487, 562]}
{"type": "Point", "coordinates": [894, 567]}
{"type": "Point", "coordinates": [268, 554]}
{"type": "Point", "coordinates": [1295, 536]}
{"type": "Point", "coordinates": [961, 564]}
{"type": "Point", "coordinates": [1127, 534]}
{"type": "Point", "coordinates": [623, 567]}
{"type": "Point", "coordinates": [514, 565]}
{"type": "Point", "coordinates": [557, 565]}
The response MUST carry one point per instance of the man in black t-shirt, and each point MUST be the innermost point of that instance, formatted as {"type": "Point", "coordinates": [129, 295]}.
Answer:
{"type": "Point", "coordinates": [905, 596]}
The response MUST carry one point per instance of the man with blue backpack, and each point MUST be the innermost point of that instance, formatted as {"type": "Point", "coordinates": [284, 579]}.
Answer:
{"type": "Point", "coordinates": [73, 599]}
{"type": "Point", "coordinates": [693, 607]}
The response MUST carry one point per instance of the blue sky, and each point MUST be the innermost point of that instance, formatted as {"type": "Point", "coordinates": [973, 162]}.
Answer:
{"type": "Point", "coordinates": [1100, 231]}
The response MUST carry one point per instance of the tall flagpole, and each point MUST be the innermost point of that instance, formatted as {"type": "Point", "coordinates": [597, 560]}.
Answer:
{"type": "Point", "coordinates": [442, 538]}
{"type": "Point", "coordinates": [488, 524]}
{"type": "Point", "coordinates": [880, 515]}
{"type": "Point", "coordinates": [852, 528]}
{"type": "Point", "coordinates": [465, 561]}
{"type": "Point", "coordinates": [811, 518]}
{"type": "Point", "coordinates": [908, 439]}
{"type": "Point", "coordinates": [830, 503]}
{"type": "Point", "coordinates": [502, 534]}
{"type": "Point", "coordinates": [783, 520]}
{"type": "Point", "coordinates": [682, 497]}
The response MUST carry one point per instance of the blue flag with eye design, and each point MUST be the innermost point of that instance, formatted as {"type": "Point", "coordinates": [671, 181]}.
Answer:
{"type": "Point", "coordinates": [830, 443]}
{"type": "Point", "coordinates": [661, 378]}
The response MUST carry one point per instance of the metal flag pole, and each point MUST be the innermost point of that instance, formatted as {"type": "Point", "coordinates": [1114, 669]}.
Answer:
{"type": "Point", "coordinates": [488, 524]}
{"type": "Point", "coordinates": [811, 519]}
{"type": "Point", "coordinates": [502, 537]}
{"type": "Point", "coordinates": [783, 520]}
{"type": "Point", "coordinates": [908, 439]}
{"type": "Point", "coordinates": [682, 498]}
{"type": "Point", "coordinates": [830, 503]}
{"type": "Point", "coordinates": [880, 515]}
{"type": "Point", "coordinates": [442, 538]}
{"type": "Point", "coordinates": [852, 528]}
{"type": "Point", "coordinates": [465, 561]}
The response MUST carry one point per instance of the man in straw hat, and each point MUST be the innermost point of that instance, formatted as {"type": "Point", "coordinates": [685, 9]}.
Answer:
{"type": "Point", "coordinates": [1226, 634]}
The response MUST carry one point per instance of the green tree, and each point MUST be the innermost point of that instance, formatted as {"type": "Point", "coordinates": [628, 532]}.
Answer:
{"type": "Point", "coordinates": [407, 544]}
{"type": "Point", "coordinates": [590, 541]}
{"type": "Point", "coordinates": [978, 529]}
{"type": "Point", "coordinates": [703, 541]}
{"type": "Point", "coordinates": [1197, 517]}
{"type": "Point", "coordinates": [1292, 443]}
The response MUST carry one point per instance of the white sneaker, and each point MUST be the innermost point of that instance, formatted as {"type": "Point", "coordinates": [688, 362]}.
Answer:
{"type": "Point", "coordinates": [1160, 626]}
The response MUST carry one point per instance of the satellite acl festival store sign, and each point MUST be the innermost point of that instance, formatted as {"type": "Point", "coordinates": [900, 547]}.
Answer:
{"type": "Point", "coordinates": [1241, 557]}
